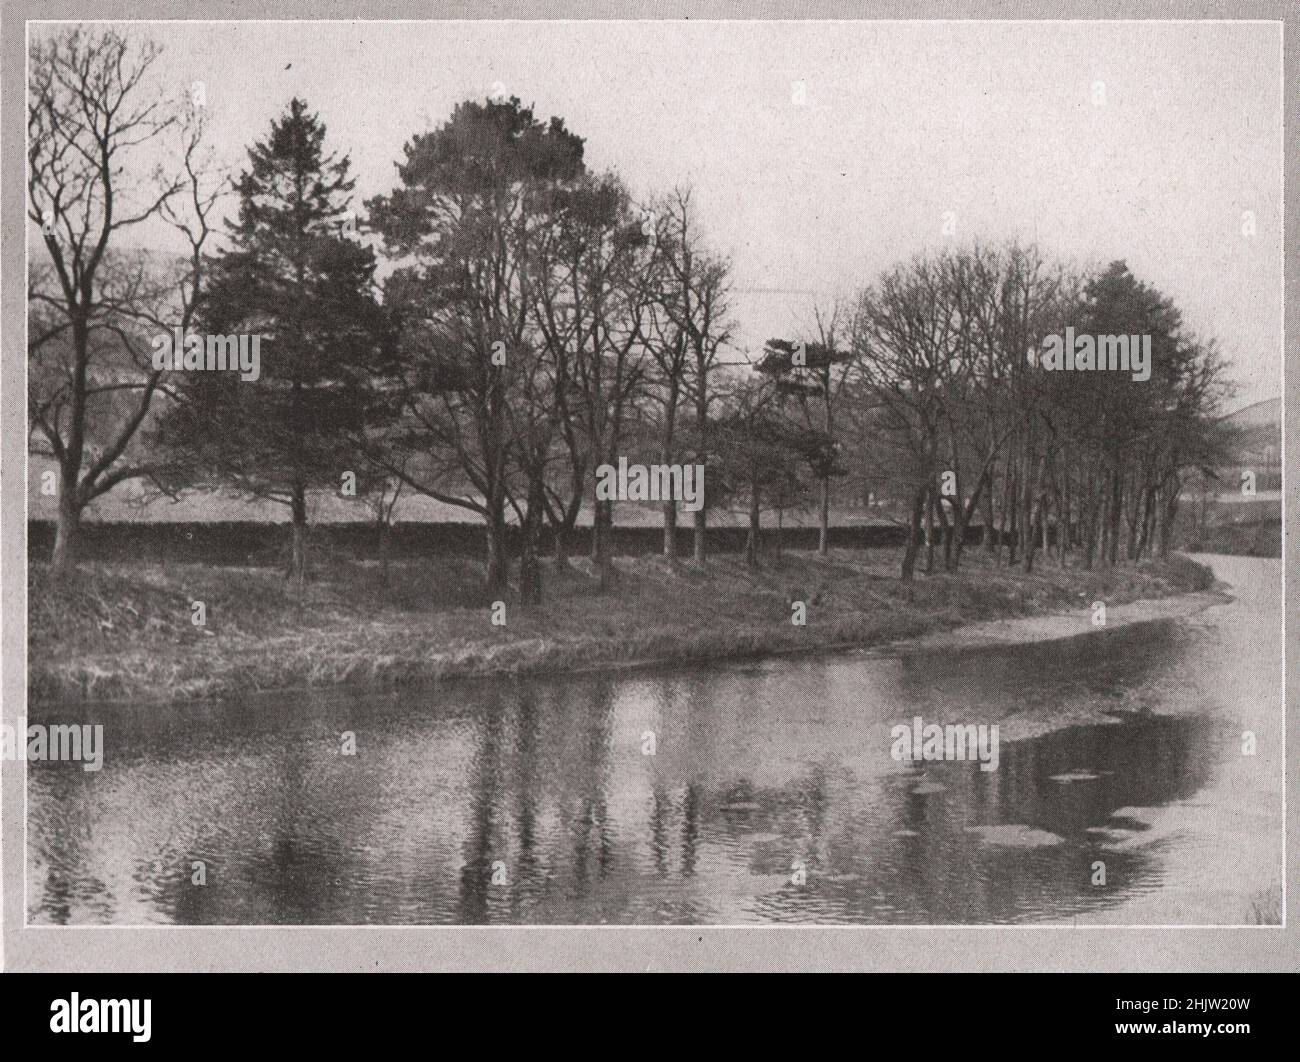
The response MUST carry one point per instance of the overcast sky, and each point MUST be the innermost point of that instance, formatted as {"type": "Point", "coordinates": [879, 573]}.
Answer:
{"type": "Point", "coordinates": [902, 123]}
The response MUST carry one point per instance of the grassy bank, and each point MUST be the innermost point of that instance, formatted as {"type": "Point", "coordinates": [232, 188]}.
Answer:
{"type": "Point", "coordinates": [125, 630]}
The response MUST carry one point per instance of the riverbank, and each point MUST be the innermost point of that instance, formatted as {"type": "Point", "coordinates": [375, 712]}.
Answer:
{"type": "Point", "coordinates": [127, 631]}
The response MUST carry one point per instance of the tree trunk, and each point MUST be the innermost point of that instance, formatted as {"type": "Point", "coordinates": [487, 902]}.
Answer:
{"type": "Point", "coordinates": [1148, 516]}
{"type": "Point", "coordinates": [530, 571]}
{"type": "Point", "coordinates": [666, 455]}
{"type": "Point", "coordinates": [1091, 514]}
{"type": "Point", "coordinates": [1113, 514]}
{"type": "Point", "coordinates": [670, 529]}
{"type": "Point", "coordinates": [1004, 516]}
{"type": "Point", "coordinates": [1063, 525]}
{"type": "Point", "coordinates": [960, 521]}
{"type": "Point", "coordinates": [824, 518]}
{"type": "Point", "coordinates": [945, 531]}
{"type": "Point", "coordinates": [1169, 516]}
{"type": "Point", "coordinates": [914, 534]}
{"type": "Point", "coordinates": [602, 525]}
{"type": "Point", "coordinates": [751, 540]}
{"type": "Point", "coordinates": [1103, 547]}
{"type": "Point", "coordinates": [298, 550]}
{"type": "Point", "coordinates": [1033, 517]}
{"type": "Point", "coordinates": [702, 453]}
{"type": "Point", "coordinates": [1131, 545]}
{"type": "Point", "coordinates": [498, 563]}
{"type": "Point", "coordinates": [564, 529]}
{"type": "Point", "coordinates": [383, 552]}
{"type": "Point", "coordinates": [67, 537]}
{"type": "Point", "coordinates": [988, 535]}
{"type": "Point", "coordinates": [1029, 502]}
{"type": "Point", "coordinates": [929, 532]}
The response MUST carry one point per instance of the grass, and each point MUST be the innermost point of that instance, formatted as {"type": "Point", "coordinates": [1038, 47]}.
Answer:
{"type": "Point", "coordinates": [124, 631]}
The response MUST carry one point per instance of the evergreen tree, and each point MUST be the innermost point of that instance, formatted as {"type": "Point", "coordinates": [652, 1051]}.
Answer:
{"type": "Point", "coordinates": [295, 277]}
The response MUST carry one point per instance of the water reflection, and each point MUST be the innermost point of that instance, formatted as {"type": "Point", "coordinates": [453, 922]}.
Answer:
{"type": "Point", "coordinates": [770, 797]}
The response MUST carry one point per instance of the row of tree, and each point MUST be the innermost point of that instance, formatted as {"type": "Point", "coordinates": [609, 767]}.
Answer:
{"type": "Point", "coordinates": [932, 379]}
{"type": "Point", "coordinates": [506, 320]}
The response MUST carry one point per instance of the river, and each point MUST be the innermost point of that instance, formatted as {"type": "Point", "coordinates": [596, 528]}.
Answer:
{"type": "Point", "coordinates": [728, 794]}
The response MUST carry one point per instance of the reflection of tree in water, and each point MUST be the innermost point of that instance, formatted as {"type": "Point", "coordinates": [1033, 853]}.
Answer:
{"type": "Point", "coordinates": [537, 739]}
{"type": "Point", "coordinates": [590, 827]}
{"type": "Point", "coordinates": [312, 871]}
{"type": "Point", "coordinates": [896, 855]}
{"type": "Point", "coordinates": [530, 881]}
{"type": "Point", "coordinates": [675, 823]}
{"type": "Point", "coordinates": [590, 831]}
{"type": "Point", "coordinates": [62, 839]}
{"type": "Point", "coordinates": [476, 871]}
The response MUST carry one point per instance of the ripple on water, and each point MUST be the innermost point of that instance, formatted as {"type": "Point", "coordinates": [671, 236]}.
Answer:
{"type": "Point", "coordinates": [1015, 835]}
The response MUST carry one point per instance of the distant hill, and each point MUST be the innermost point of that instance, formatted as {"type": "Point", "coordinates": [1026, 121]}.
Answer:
{"type": "Point", "coordinates": [1260, 440]}
{"type": "Point", "coordinates": [1269, 411]}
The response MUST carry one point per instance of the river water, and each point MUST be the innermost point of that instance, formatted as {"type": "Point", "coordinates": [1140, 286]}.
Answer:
{"type": "Point", "coordinates": [732, 794]}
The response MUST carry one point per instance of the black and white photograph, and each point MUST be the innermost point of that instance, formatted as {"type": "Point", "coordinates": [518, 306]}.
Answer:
{"type": "Point", "coordinates": [642, 473]}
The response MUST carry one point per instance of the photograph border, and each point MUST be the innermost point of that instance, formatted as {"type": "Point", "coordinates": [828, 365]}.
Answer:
{"type": "Point", "coordinates": [574, 947]}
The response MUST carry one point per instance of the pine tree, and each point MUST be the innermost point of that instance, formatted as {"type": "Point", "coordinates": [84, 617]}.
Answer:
{"type": "Point", "coordinates": [295, 276]}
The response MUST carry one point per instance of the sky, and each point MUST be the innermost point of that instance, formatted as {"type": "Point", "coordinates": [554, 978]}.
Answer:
{"type": "Point", "coordinates": [821, 153]}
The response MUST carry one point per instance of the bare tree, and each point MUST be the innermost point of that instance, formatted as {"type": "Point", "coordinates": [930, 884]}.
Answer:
{"type": "Point", "coordinates": [91, 120]}
{"type": "Point", "coordinates": [903, 341]}
{"type": "Point", "coordinates": [696, 290]}
{"type": "Point", "coordinates": [817, 373]}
